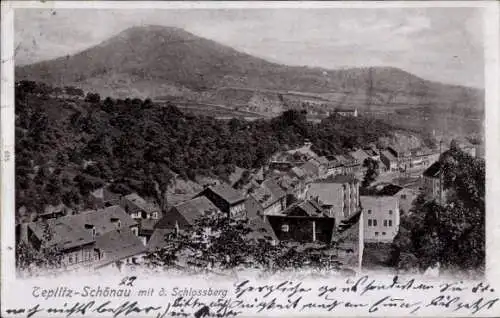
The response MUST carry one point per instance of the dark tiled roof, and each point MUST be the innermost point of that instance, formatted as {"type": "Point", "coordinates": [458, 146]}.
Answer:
{"type": "Point", "coordinates": [388, 155]}
{"type": "Point", "coordinates": [341, 178]}
{"type": "Point", "coordinates": [433, 170]}
{"type": "Point", "coordinates": [147, 226]}
{"type": "Point", "coordinates": [260, 229]}
{"type": "Point", "coordinates": [389, 190]}
{"type": "Point", "coordinates": [327, 193]}
{"type": "Point", "coordinates": [159, 239]}
{"type": "Point", "coordinates": [227, 193]}
{"type": "Point", "coordinates": [69, 231]}
{"type": "Point", "coordinates": [268, 193]}
{"type": "Point", "coordinates": [195, 208]}
{"type": "Point", "coordinates": [309, 207]}
{"type": "Point", "coordinates": [310, 169]}
{"type": "Point", "coordinates": [117, 245]}
{"type": "Point", "coordinates": [140, 203]}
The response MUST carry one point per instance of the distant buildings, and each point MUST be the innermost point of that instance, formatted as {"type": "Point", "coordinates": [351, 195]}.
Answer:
{"type": "Point", "coordinates": [346, 112]}
{"type": "Point", "coordinates": [138, 208]}
{"type": "Point", "coordinates": [270, 196]}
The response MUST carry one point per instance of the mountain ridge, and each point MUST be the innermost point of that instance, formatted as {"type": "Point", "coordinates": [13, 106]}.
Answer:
{"type": "Point", "coordinates": [153, 60]}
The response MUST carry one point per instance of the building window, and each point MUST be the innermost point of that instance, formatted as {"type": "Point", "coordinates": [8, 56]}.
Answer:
{"type": "Point", "coordinates": [369, 211]}
{"type": "Point", "coordinates": [285, 228]}
{"type": "Point", "coordinates": [403, 196]}
{"type": "Point", "coordinates": [383, 233]}
{"type": "Point", "coordinates": [374, 222]}
{"type": "Point", "coordinates": [390, 222]}
{"type": "Point", "coordinates": [369, 222]}
{"type": "Point", "coordinates": [385, 222]}
{"type": "Point", "coordinates": [390, 212]}
{"type": "Point", "coordinates": [376, 233]}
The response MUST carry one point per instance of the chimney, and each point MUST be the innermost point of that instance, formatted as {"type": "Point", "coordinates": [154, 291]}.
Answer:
{"type": "Point", "coordinates": [91, 228]}
{"type": "Point", "coordinates": [117, 223]}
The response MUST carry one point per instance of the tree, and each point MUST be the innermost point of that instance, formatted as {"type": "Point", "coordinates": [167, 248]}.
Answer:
{"type": "Point", "coordinates": [372, 172]}
{"type": "Point", "coordinates": [93, 98]}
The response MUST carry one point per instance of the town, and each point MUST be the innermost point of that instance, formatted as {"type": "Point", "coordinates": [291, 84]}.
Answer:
{"type": "Point", "coordinates": [348, 202]}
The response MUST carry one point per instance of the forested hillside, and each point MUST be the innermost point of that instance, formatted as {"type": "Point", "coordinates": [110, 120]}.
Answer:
{"type": "Point", "coordinates": [67, 145]}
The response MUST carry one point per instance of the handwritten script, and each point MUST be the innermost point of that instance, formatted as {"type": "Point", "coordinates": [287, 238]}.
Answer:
{"type": "Point", "coordinates": [133, 296]}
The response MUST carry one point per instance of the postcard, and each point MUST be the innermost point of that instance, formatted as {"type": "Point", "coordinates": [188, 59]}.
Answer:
{"type": "Point", "coordinates": [250, 159]}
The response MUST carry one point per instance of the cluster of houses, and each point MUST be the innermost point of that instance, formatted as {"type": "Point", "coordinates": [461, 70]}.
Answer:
{"type": "Point", "coordinates": [298, 197]}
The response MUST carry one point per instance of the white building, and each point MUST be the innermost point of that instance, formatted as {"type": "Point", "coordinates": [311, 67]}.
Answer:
{"type": "Point", "coordinates": [381, 218]}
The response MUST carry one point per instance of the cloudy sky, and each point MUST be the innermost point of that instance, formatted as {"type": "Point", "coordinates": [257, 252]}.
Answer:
{"type": "Point", "coordinates": [443, 44]}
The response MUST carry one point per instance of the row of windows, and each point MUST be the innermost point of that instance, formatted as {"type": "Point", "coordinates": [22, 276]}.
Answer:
{"type": "Point", "coordinates": [373, 222]}
{"type": "Point", "coordinates": [370, 212]}
{"type": "Point", "coordinates": [376, 233]}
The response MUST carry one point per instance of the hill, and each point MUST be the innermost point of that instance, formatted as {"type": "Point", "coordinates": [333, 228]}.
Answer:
{"type": "Point", "coordinates": [151, 61]}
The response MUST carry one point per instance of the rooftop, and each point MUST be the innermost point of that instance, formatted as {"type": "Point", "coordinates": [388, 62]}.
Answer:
{"type": "Point", "coordinates": [327, 193]}
{"type": "Point", "coordinates": [388, 155]}
{"type": "Point", "coordinates": [433, 170]}
{"type": "Point", "coordinates": [341, 178]}
{"type": "Point", "coordinates": [117, 245]}
{"type": "Point", "coordinates": [140, 203]}
{"type": "Point", "coordinates": [268, 193]}
{"type": "Point", "coordinates": [227, 193]}
{"type": "Point", "coordinates": [195, 208]}
{"type": "Point", "coordinates": [70, 231]}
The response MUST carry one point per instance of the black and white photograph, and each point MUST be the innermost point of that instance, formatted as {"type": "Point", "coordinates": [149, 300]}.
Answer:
{"type": "Point", "coordinates": [215, 141]}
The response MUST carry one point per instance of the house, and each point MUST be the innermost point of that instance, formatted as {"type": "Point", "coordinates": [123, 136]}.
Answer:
{"type": "Point", "coordinates": [388, 159]}
{"type": "Point", "coordinates": [146, 229]}
{"type": "Point", "coordinates": [405, 195]}
{"type": "Point", "coordinates": [228, 200]}
{"type": "Point", "coordinates": [464, 145]}
{"type": "Point", "coordinates": [403, 156]}
{"type": "Point", "coordinates": [184, 215]}
{"type": "Point", "coordinates": [321, 164]}
{"type": "Point", "coordinates": [433, 183]}
{"type": "Point", "coordinates": [138, 208]}
{"type": "Point", "coordinates": [270, 197]}
{"type": "Point", "coordinates": [160, 239]}
{"type": "Point", "coordinates": [422, 157]}
{"type": "Point", "coordinates": [359, 155]}
{"type": "Point", "coordinates": [119, 247]}
{"type": "Point", "coordinates": [334, 167]}
{"type": "Point", "coordinates": [75, 236]}
{"type": "Point", "coordinates": [103, 197]}
{"type": "Point", "coordinates": [53, 212]}
{"type": "Point", "coordinates": [350, 165]}
{"type": "Point", "coordinates": [373, 153]}
{"type": "Point", "coordinates": [381, 218]}
{"type": "Point", "coordinates": [304, 150]}
{"type": "Point", "coordinates": [349, 241]}
{"type": "Point", "coordinates": [303, 221]}
{"type": "Point", "coordinates": [339, 195]}
{"type": "Point", "coordinates": [346, 112]}
{"type": "Point", "coordinates": [293, 186]}
{"type": "Point", "coordinates": [297, 172]}
{"type": "Point", "coordinates": [311, 170]}
{"type": "Point", "coordinates": [258, 223]}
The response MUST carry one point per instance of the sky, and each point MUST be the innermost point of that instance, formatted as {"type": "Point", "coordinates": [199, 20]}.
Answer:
{"type": "Point", "coordinates": [440, 44]}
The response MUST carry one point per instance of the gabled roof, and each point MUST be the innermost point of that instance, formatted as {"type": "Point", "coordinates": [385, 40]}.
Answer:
{"type": "Point", "coordinates": [226, 192]}
{"type": "Point", "coordinates": [370, 152]}
{"type": "Point", "coordinates": [433, 171]}
{"type": "Point", "coordinates": [309, 207]}
{"type": "Point", "coordinates": [327, 193]}
{"type": "Point", "coordinates": [359, 155]}
{"type": "Point", "coordinates": [388, 155]}
{"type": "Point", "coordinates": [70, 231]}
{"type": "Point", "coordinates": [140, 203]}
{"type": "Point", "coordinates": [105, 194]}
{"type": "Point", "coordinates": [236, 175]}
{"type": "Point", "coordinates": [389, 190]}
{"type": "Point", "coordinates": [195, 208]}
{"type": "Point", "coordinates": [340, 178]}
{"type": "Point", "coordinates": [147, 226]}
{"type": "Point", "coordinates": [117, 245]}
{"type": "Point", "coordinates": [310, 169]}
{"type": "Point", "coordinates": [298, 172]}
{"type": "Point", "coordinates": [158, 239]}
{"type": "Point", "coordinates": [268, 193]}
